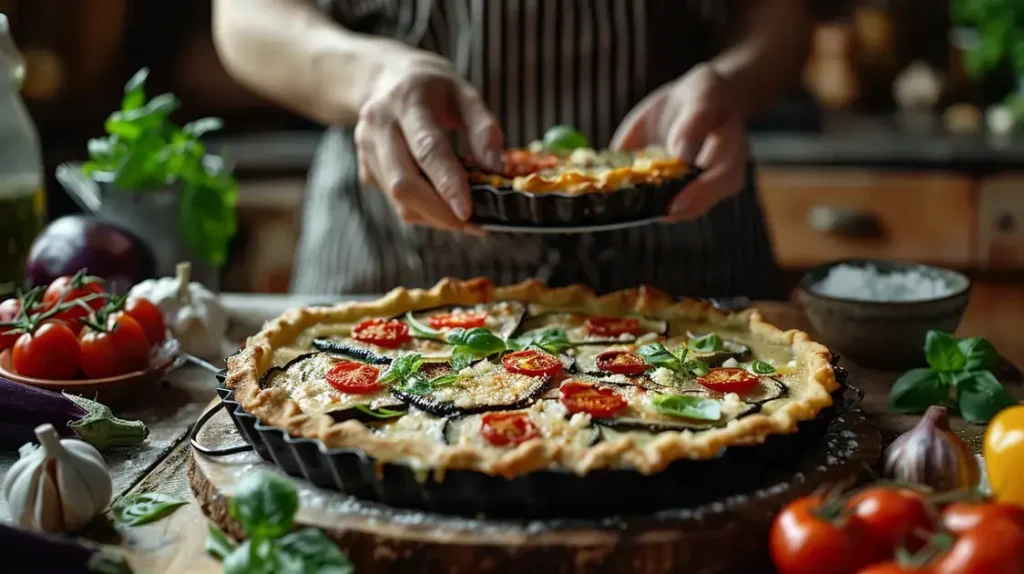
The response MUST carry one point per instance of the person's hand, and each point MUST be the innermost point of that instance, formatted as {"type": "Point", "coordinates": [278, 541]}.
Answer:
{"type": "Point", "coordinates": [693, 119]}
{"type": "Point", "coordinates": [403, 148]}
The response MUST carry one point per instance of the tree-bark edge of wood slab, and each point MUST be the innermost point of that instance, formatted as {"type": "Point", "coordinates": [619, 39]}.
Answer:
{"type": "Point", "coordinates": [709, 539]}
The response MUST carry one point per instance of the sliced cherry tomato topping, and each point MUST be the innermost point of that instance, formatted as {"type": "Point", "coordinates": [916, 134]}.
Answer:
{"type": "Point", "coordinates": [532, 363]}
{"type": "Point", "coordinates": [524, 162]}
{"type": "Point", "coordinates": [507, 429]}
{"type": "Point", "coordinates": [621, 362]}
{"type": "Point", "coordinates": [728, 380]}
{"type": "Point", "coordinates": [465, 320]}
{"type": "Point", "coordinates": [598, 402]}
{"type": "Point", "coordinates": [389, 333]}
{"type": "Point", "coordinates": [612, 326]}
{"type": "Point", "coordinates": [354, 378]}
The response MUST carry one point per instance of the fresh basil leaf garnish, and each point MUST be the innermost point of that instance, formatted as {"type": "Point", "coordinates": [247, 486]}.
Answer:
{"type": "Point", "coordinates": [688, 406]}
{"type": "Point", "coordinates": [381, 413]}
{"type": "Point", "coordinates": [254, 556]}
{"type": "Point", "coordinates": [551, 339]}
{"type": "Point", "coordinates": [218, 544]}
{"type": "Point", "coordinates": [461, 358]}
{"type": "Point", "coordinates": [943, 353]}
{"type": "Point", "coordinates": [444, 380]}
{"type": "Point", "coordinates": [656, 354]}
{"type": "Point", "coordinates": [762, 367]}
{"type": "Point", "coordinates": [706, 343]}
{"type": "Point", "coordinates": [699, 368]}
{"type": "Point", "coordinates": [402, 368]}
{"type": "Point", "coordinates": [980, 396]}
{"type": "Point", "coordinates": [980, 355]}
{"type": "Point", "coordinates": [265, 504]}
{"type": "Point", "coordinates": [421, 330]}
{"type": "Point", "coordinates": [309, 550]}
{"type": "Point", "coordinates": [137, 509]}
{"type": "Point", "coordinates": [916, 390]}
{"type": "Point", "coordinates": [483, 342]}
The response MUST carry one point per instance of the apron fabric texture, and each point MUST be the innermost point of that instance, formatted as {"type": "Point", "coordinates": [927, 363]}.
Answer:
{"type": "Point", "coordinates": [537, 63]}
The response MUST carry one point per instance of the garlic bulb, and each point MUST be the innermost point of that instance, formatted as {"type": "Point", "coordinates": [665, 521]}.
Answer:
{"type": "Point", "coordinates": [192, 312]}
{"type": "Point", "coordinates": [59, 486]}
{"type": "Point", "coordinates": [931, 454]}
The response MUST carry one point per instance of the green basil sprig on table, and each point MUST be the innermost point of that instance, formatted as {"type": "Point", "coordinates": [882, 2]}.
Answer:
{"type": "Point", "coordinates": [760, 367]}
{"type": "Point", "coordinates": [706, 343]}
{"type": "Point", "coordinates": [552, 340]}
{"type": "Point", "coordinates": [958, 376]}
{"type": "Point", "coordinates": [688, 406]}
{"type": "Point", "coordinates": [404, 375]}
{"type": "Point", "coordinates": [467, 344]}
{"type": "Point", "coordinates": [138, 509]}
{"type": "Point", "coordinates": [265, 504]}
{"type": "Point", "coordinates": [144, 150]}
{"type": "Point", "coordinates": [656, 354]}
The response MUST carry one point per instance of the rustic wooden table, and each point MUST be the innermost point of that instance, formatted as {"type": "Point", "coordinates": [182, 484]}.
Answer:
{"type": "Point", "coordinates": [176, 543]}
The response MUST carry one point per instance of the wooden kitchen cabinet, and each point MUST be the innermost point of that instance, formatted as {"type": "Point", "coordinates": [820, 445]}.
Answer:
{"type": "Point", "coordinates": [817, 215]}
{"type": "Point", "coordinates": [1001, 223]}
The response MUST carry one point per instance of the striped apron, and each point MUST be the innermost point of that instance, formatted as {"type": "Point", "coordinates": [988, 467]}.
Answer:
{"type": "Point", "coordinates": [537, 63]}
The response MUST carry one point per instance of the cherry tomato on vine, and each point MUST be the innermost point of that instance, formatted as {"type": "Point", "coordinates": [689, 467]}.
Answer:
{"type": "Point", "coordinates": [890, 568]}
{"type": "Point", "coordinates": [991, 547]}
{"type": "Point", "coordinates": [893, 517]}
{"type": "Point", "coordinates": [73, 288]}
{"type": "Point", "coordinates": [9, 310]}
{"type": "Point", "coordinates": [122, 348]}
{"type": "Point", "coordinates": [960, 517]}
{"type": "Point", "coordinates": [810, 536]}
{"type": "Point", "coordinates": [49, 352]}
{"type": "Point", "coordinates": [149, 317]}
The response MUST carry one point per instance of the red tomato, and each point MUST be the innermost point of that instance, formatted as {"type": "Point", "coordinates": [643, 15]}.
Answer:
{"type": "Point", "coordinates": [464, 320]}
{"type": "Point", "coordinates": [889, 568]}
{"type": "Point", "coordinates": [612, 326]}
{"type": "Point", "coordinates": [803, 542]}
{"type": "Point", "coordinates": [524, 162]}
{"type": "Point", "coordinates": [960, 517]}
{"type": "Point", "coordinates": [9, 310]}
{"type": "Point", "coordinates": [621, 362]}
{"type": "Point", "coordinates": [507, 429]}
{"type": "Point", "coordinates": [598, 402]}
{"type": "Point", "coordinates": [893, 517]}
{"type": "Point", "coordinates": [73, 288]}
{"type": "Point", "coordinates": [728, 380]}
{"type": "Point", "coordinates": [991, 547]}
{"type": "Point", "coordinates": [388, 333]}
{"type": "Point", "coordinates": [354, 378]}
{"type": "Point", "coordinates": [532, 363]}
{"type": "Point", "coordinates": [50, 352]}
{"type": "Point", "coordinates": [122, 348]}
{"type": "Point", "coordinates": [149, 317]}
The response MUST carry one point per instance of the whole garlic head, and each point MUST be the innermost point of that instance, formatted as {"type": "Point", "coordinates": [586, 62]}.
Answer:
{"type": "Point", "coordinates": [59, 486]}
{"type": "Point", "coordinates": [192, 312]}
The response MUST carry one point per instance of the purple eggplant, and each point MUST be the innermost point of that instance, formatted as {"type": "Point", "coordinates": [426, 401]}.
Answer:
{"type": "Point", "coordinates": [23, 408]}
{"type": "Point", "coordinates": [78, 242]}
{"type": "Point", "coordinates": [36, 552]}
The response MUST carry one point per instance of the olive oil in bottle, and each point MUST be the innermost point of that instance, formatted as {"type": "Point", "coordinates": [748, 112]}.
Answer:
{"type": "Point", "coordinates": [22, 195]}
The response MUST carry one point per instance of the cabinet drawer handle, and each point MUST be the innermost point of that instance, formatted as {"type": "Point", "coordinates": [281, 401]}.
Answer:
{"type": "Point", "coordinates": [844, 221]}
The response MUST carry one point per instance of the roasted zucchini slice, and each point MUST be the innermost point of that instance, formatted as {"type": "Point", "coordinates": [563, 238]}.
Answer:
{"type": "Point", "coordinates": [430, 349]}
{"type": "Point", "coordinates": [582, 329]}
{"type": "Point", "coordinates": [485, 386]}
{"type": "Point", "coordinates": [304, 379]}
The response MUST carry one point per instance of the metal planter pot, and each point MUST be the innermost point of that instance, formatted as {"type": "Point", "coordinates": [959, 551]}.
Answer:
{"type": "Point", "coordinates": [152, 215]}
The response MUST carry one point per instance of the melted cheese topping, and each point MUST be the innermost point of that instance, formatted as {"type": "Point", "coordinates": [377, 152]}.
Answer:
{"type": "Point", "coordinates": [574, 325]}
{"type": "Point", "coordinates": [550, 417]}
{"type": "Point", "coordinates": [306, 384]}
{"type": "Point", "coordinates": [502, 317]}
{"type": "Point", "coordinates": [487, 384]}
{"type": "Point", "coordinates": [415, 424]}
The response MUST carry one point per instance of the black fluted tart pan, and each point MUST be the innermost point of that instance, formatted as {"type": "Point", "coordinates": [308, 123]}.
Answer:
{"type": "Point", "coordinates": [543, 494]}
{"type": "Point", "coordinates": [507, 206]}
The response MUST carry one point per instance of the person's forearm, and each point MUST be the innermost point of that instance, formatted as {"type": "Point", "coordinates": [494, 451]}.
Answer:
{"type": "Point", "coordinates": [769, 54]}
{"type": "Point", "coordinates": [289, 52]}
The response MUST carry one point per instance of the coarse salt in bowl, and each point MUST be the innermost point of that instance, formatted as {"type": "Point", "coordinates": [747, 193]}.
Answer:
{"type": "Point", "coordinates": [877, 313]}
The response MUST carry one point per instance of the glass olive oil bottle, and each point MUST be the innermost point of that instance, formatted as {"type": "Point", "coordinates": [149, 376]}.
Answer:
{"type": "Point", "coordinates": [22, 195]}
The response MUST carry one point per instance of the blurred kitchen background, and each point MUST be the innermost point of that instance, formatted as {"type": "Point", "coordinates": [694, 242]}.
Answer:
{"type": "Point", "coordinates": [900, 145]}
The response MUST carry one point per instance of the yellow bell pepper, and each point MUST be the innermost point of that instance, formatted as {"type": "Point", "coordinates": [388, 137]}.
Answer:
{"type": "Point", "coordinates": [1004, 455]}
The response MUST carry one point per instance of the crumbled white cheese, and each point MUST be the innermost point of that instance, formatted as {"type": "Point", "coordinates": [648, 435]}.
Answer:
{"type": "Point", "coordinates": [663, 377]}
{"type": "Point", "coordinates": [868, 283]}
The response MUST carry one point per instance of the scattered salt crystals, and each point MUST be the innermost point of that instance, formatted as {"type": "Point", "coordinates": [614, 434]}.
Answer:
{"type": "Point", "coordinates": [868, 283]}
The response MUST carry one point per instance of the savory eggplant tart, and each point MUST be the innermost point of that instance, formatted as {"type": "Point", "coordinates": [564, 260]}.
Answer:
{"type": "Point", "coordinates": [563, 181]}
{"type": "Point", "coordinates": [511, 380]}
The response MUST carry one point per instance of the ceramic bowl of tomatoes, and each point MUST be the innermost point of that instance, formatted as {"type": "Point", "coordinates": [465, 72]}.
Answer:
{"type": "Point", "coordinates": [74, 336]}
